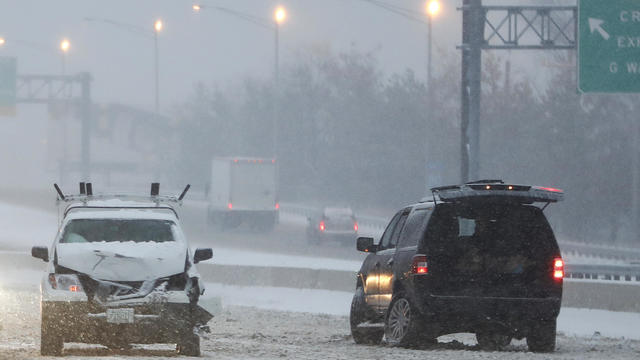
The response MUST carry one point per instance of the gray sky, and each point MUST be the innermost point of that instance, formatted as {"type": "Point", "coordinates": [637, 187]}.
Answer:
{"type": "Point", "coordinates": [212, 46]}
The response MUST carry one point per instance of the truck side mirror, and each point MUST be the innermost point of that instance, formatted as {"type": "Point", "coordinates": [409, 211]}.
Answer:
{"type": "Point", "coordinates": [40, 252]}
{"type": "Point", "coordinates": [202, 254]}
{"type": "Point", "coordinates": [365, 244]}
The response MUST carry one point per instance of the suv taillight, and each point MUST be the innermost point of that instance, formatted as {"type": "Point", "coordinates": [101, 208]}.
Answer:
{"type": "Point", "coordinates": [558, 268]}
{"type": "Point", "coordinates": [419, 265]}
{"type": "Point", "coordinates": [321, 226]}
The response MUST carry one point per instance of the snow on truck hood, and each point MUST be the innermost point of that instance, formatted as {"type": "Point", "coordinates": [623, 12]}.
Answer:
{"type": "Point", "coordinates": [123, 261]}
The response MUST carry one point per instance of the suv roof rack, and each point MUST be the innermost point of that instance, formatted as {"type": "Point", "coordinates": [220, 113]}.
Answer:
{"type": "Point", "coordinates": [497, 189]}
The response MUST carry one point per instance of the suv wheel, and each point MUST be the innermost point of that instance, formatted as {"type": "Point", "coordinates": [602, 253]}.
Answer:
{"type": "Point", "coordinates": [492, 341]}
{"type": "Point", "coordinates": [51, 342]}
{"type": "Point", "coordinates": [357, 316]}
{"type": "Point", "coordinates": [189, 345]}
{"type": "Point", "coordinates": [542, 337]}
{"type": "Point", "coordinates": [401, 325]}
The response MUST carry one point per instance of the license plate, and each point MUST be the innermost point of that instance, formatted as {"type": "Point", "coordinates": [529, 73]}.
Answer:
{"type": "Point", "coordinates": [120, 316]}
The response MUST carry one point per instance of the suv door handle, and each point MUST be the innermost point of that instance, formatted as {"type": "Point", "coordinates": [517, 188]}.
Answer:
{"type": "Point", "coordinates": [390, 262]}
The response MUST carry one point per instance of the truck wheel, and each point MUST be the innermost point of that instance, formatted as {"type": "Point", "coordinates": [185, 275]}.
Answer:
{"type": "Point", "coordinates": [357, 316]}
{"type": "Point", "coordinates": [51, 342]}
{"type": "Point", "coordinates": [492, 341]}
{"type": "Point", "coordinates": [542, 337]}
{"type": "Point", "coordinates": [189, 345]}
{"type": "Point", "coordinates": [402, 322]}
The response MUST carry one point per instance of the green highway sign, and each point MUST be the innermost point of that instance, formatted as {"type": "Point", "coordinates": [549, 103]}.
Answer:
{"type": "Point", "coordinates": [8, 69]}
{"type": "Point", "coordinates": [609, 46]}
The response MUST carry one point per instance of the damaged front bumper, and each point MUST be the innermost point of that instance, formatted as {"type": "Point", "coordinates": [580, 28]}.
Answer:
{"type": "Point", "coordinates": [89, 322]}
{"type": "Point", "coordinates": [107, 312]}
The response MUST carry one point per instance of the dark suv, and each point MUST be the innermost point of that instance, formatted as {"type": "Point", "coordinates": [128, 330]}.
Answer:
{"type": "Point", "coordinates": [479, 258]}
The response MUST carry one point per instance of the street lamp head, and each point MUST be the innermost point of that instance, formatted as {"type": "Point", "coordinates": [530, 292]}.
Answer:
{"type": "Point", "coordinates": [158, 25]}
{"type": "Point", "coordinates": [433, 7]}
{"type": "Point", "coordinates": [280, 15]}
{"type": "Point", "coordinates": [2, 41]}
{"type": "Point", "coordinates": [65, 45]}
{"type": "Point", "coordinates": [196, 8]}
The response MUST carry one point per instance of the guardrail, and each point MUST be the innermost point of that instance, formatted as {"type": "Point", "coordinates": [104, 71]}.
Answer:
{"type": "Point", "coordinates": [625, 273]}
{"type": "Point", "coordinates": [601, 251]}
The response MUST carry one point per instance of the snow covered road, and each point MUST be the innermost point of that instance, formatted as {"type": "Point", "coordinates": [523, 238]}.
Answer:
{"type": "Point", "coordinates": [266, 322]}
{"type": "Point", "coordinates": [242, 332]}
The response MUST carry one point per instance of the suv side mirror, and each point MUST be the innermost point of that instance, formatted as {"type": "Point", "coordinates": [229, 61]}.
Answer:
{"type": "Point", "coordinates": [40, 252]}
{"type": "Point", "coordinates": [365, 244]}
{"type": "Point", "coordinates": [202, 254]}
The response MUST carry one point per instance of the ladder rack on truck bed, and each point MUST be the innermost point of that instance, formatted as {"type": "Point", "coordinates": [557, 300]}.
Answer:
{"type": "Point", "coordinates": [86, 195]}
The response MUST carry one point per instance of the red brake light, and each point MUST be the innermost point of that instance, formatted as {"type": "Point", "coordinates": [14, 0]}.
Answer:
{"type": "Point", "coordinates": [73, 288]}
{"type": "Point", "coordinates": [321, 226]}
{"type": "Point", "coordinates": [549, 189]}
{"type": "Point", "coordinates": [558, 268]}
{"type": "Point", "coordinates": [277, 206]}
{"type": "Point", "coordinates": [230, 206]}
{"type": "Point", "coordinates": [355, 226]}
{"type": "Point", "coordinates": [419, 265]}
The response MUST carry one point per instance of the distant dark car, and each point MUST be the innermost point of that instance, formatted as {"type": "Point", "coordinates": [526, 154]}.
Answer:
{"type": "Point", "coordinates": [480, 259]}
{"type": "Point", "coordinates": [334, 224]}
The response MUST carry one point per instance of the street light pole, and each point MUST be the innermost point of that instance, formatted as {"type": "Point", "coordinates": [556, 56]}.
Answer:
{"type": "Point", "coordinates": [155, 58]}
{"type": "Point", "coordinates": [279, 16]}
{"type": "Point", "coordinates": [276, 62]}
{"type": "Point", "coordinates": [430, 40]}
{"type": "Point", "coordinates": [158, 28]}
{"type": "Point", "coordinates": [433, 7]}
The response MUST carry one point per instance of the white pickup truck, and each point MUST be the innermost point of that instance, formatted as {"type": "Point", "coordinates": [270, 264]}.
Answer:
{"type": "Point", "coordinates": [120, 271]}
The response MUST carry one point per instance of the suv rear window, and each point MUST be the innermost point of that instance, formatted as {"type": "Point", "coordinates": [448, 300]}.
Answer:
{"type": "Point", "coordinates": [491, 238]}
{"type": "Point", "coordinates": [114, 230]}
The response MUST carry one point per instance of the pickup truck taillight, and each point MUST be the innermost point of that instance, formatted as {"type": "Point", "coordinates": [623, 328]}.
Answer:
{"type": "Point", "coordinates": [67, 282]}
{"type": "Point", "coordinates": [419, 265]}
{"type": "Point", "coordinates": [558, 268]}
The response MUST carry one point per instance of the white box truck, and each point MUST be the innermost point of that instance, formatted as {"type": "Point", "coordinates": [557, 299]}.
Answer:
{"type": "Point", "coordinates": [243, 190]}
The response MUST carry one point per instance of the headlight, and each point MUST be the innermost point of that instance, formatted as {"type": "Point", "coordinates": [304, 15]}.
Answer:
{"type": "Point", "coordinates": [67, 282]}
